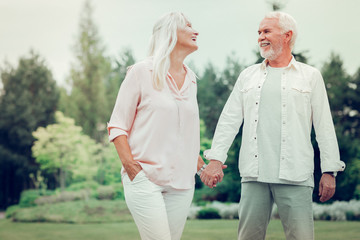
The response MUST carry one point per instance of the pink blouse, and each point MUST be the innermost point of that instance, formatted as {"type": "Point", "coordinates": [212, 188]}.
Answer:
{"type": "Point", "coordinates": [162, 126]}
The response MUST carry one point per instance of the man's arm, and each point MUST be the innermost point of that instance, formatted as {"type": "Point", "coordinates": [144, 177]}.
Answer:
{"type": "Point", "coordinates": [226, 129]}
{"type": "Point", "coordinates": [326, 138]}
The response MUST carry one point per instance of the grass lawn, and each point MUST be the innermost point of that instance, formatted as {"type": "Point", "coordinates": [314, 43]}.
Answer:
{"type": "Point", "coordinates": [195, 229]}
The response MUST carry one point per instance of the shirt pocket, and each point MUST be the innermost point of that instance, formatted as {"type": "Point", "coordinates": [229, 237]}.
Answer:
{"type": "Point", "coordinates": [301, 89]}
{"type": "Point", "coordinates": [246, 89]}
{"type": "Point", "coordinates": [248, 95]}
{"type": "Point", "coordinates": [300, 99]}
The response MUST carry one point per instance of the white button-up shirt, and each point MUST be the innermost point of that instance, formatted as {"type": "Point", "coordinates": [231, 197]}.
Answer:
{"type": "Point", "coordinates": [304, 103]}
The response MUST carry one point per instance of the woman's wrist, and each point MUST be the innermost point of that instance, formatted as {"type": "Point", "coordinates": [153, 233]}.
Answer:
{"type": "Point", "coordinates": [201, 169]}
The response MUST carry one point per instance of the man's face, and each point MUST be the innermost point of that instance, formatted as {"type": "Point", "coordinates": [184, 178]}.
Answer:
{"type": "Point", "coordinates": [271, 38]}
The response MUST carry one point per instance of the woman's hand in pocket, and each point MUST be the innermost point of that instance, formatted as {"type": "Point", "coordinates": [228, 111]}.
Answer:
{"type": "Point", "coordinates": [132, 170]}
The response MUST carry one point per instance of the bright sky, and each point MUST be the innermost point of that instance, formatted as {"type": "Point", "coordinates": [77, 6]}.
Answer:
{"type": "Point", "coordinates": [51, 27]}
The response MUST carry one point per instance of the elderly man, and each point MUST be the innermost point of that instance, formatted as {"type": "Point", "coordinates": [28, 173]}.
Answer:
{"type": "Point", "coordinates": [278, 101]}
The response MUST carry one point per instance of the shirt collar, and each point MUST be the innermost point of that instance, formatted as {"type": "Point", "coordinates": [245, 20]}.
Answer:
{"type": "Point", "coordinates": [292, 63]}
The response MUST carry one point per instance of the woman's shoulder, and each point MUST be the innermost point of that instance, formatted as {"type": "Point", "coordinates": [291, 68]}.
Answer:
{"type": "Point", "coordinates": [144, 65]}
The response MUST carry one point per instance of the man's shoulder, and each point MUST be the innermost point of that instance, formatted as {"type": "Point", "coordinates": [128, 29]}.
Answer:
{"type": "Point", "coordinates": [251, 69]}
{"type": "Point", "coordinates": [306, 67]}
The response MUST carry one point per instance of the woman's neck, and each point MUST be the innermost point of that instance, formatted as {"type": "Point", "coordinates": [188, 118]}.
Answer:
{"type": "Point", "coordinates": [176, 61]}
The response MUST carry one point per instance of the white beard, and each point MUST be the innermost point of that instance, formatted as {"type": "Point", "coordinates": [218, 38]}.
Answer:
{"type": "Point", "coordinates": [272, 53]}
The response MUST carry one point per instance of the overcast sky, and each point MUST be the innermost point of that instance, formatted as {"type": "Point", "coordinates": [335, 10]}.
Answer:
{"type": "Point", "coordinates": [51, 26]}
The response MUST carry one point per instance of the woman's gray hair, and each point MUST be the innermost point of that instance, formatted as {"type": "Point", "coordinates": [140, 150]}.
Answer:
{"type": "Point", "coordinates": [286, 23]}
{"type": "Point", "coordinates": [163, 41]}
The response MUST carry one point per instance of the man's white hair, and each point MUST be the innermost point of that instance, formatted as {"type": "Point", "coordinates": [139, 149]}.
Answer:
{"type": "Point", "coordinates": [162, 43]}
{"type": "Point", "coordinates": [286, 23]}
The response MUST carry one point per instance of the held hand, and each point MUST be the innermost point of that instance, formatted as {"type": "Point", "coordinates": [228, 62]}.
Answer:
{"type": "Point", "coordinates": [132, 170]}
{"type": "Point", "coordinates": [326, 187]}
{"type": "Point", "coordinates": [213, 173]}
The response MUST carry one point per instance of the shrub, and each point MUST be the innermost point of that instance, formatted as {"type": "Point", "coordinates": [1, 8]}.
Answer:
{"type": "Point", "coordinates": [10, 211]}
{"type": "Point", "coordinates": [28, 197]}
{"type": "Point", "coordinates": [65, 196]}
{"type": "Point", "coordinates": [193, 211]}
{"type": "Point", "coordinates": [205, 194]}
{"type": "Point", "coordinates": [337, 211]}
{"type": "Point", "coordinates": [357, 192]}
{"type": "Point", "coordinates": [83, 185]}
{"type": "Point", "coordinates": [106, 192]}
{"type": "Point", "coordinates": [92, 211]}
{"type": "Point", "coordinates": [208, 213]}
{"type": "Point", "coordinates": [119, 191]}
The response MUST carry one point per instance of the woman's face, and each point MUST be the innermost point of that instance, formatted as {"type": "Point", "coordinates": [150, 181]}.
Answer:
{"type": "Point", "coordinates": [186, 38]}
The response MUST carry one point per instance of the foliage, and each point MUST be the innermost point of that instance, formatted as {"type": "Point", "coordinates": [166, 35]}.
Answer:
{"type": "Point", "coordinates": [109, 168]}
{"type": "Point", "coordinates": [215, 88]}
{"type": "Point", "coordinates": [28, 100]}
{"type": "Point", "coordinates": [341, 96]}
{"type": "Point", "coordinates": [208, 213]}
{"type": "Point", "coordinates": [28, 197]}
{"type": "Point", "coordinates": [91, 211]}
{"type": "Point", "coordinates": [64, 196]}
{"type": "Point", "coordinates": [87, 78]}
{"type": "Point", "coordinates": [337, 211]}
{"type": "Point", "coordinates": [118, 191]}
{"type": "Point", "coordinates": [62, 149]}
{"type": "Point", "coordinates": [86, 185]}
{"type": "Point", "coordinates": [105, 192]}
{"type": "Point", "coordinates": [11, 210]}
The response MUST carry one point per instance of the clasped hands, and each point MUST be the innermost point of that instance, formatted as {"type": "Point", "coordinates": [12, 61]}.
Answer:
{"type": "Point", "coordinates": [213, 173]}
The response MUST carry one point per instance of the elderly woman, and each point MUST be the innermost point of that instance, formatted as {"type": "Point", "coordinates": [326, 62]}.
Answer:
{"type": "Point", "coordinates": [155, 129]}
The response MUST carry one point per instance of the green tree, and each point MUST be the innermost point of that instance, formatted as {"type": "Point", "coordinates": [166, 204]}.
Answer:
{"type": "Point", "coordinates": [213, 90]}
{"type": "Point", "coordinates": [64, 150]}
{"type": "Point", "coordinates": [28, 100]}
{"type": "Point", "coordinates": [354, 105]}
{"type": "Point", "coordinates": [87, 79]}
{"type": "Point", "coordinates": [342, 97]}
{"type": "Point", "coordinates": [109, 170]}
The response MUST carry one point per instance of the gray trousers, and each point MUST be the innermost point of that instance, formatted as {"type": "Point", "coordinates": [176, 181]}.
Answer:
{"type": "Point", "coordinates": [294, 206]}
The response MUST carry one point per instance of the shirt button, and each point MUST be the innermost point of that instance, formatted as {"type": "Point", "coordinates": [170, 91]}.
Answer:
{"type": "Point", "coordinates": [283, 88]}
{"type": "Point", "coordinates": [284, 122]}
{"type": "Point", "coordinates": [255, 120]}
{"type": "Point", "coordinates": [259, 86]}
{"type": "Point", "coordinates": [255, 138]}
{"type": "Point", "coordinates": [256, 156]}
{"type": "Point", "coordinates": [284, 105]}
{"type": "Point", "coordinates": [257, 103]}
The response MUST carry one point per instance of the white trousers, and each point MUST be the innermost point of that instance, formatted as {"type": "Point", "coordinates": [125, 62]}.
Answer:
{"type": "Point", "coordinates": [159, 212]}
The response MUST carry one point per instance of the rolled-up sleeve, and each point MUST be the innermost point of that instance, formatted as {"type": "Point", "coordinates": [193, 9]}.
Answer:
{"type": "Point", "coordinates": [124, 112]}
